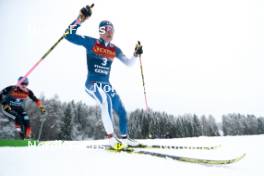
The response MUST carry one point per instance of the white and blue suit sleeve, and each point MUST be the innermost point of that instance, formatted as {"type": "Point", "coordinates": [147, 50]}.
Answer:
{"type": "Point", "coordinates": [124, 59]}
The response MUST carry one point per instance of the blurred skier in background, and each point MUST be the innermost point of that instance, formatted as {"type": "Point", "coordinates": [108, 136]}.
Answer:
{"type": "Point", "coordinates": [12, 99]}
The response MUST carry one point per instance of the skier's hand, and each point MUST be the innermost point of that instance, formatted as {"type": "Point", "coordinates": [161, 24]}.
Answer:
{"type": "Point", "coordinates": [7, 107]}
{"type": "Point", "coordinates": [85, 12]}
{"type": "Point", "coordinates": [42, 109]}
{"type": "Point", "coordinates": [138, 49]}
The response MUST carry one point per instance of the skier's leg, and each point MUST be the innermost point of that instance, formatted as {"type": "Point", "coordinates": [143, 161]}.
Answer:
{"type": "Point", "coordinates": [123, 123]}
{"type": "Point", "coordinates": [26, 124]}
{"type": "Point", "coordinates": [19, 126]}
{"type": "Point", "coordinates": [121, 112]}
{"type": "Point", "coordinates": [104, 100]}
{"type": "Point", "coordinates": [105, 104]}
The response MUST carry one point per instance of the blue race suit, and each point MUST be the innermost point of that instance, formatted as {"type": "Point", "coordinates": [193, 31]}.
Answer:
{"type": "Point", "coordinates": [100, 57]}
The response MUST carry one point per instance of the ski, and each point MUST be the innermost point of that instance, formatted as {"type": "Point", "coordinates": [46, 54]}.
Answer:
{"type": "Point", "coordinates": [131, 150]}
{"type": "Point", "coordinates": [176, 147]}
{"type": "Point", "coordinates": [191, 159]}
{"type": "Point", "coordinates": [181, 158]}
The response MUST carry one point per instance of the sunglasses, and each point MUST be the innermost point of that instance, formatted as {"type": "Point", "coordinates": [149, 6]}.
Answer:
{"type": "Point", "coordinates": [24, 84]}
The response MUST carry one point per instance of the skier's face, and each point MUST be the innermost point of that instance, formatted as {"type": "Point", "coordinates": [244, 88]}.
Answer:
{"type": "Point", "coordinates": [106, 33]}
{"type": "Point", "coordinates": [24, 85]}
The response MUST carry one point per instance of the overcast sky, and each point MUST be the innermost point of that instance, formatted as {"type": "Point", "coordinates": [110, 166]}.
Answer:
{"type": "Point", "coordinates": [200, 56]}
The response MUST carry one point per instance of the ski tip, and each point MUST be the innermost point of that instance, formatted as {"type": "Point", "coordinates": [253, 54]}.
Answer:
{"type": "Point", "coordinates": [235, 159]}
{"type": "Point", "coordinates": [242, 156]}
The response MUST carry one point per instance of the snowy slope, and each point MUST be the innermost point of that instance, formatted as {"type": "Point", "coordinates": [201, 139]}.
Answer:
{"type": "Point", "coordinates": [73, 158]}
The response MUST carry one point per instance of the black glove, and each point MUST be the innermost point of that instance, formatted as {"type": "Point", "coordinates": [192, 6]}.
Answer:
{"type": "Point", "coordinates": [87, 11]}
{"type": "Point", "coordinates": [138, 49]}
{"type": "Point", "coordinates": [7, 107]}
{"type": "Point", "coordinates": [42, 109]}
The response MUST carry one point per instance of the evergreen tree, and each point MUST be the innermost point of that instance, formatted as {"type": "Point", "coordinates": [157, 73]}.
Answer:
{"type": "Point", "coordinates": [52, 119]}
{"type": "Point", "coordinates": [67, 122]}
{"type": "Point", "coordinates": [251, 124]}
{"type": "Point", "coordinates": [260, 125]}
{"type": "Point", "coordinates": [213, 129]}
{"type": "Point", "coordinates": [197, 127]}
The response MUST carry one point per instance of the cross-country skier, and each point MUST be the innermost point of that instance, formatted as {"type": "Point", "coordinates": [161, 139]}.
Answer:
{"type": "Point", "coordinates": [100, 55]}
{"type": "Point", "coordinates": [12, 100]}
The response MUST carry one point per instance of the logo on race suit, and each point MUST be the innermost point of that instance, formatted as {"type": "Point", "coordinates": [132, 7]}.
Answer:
{"type": "Point", "coordinates": [16, 102]}
{"type": "Point", "coordinates": [18, 95]}
{"type": "Point", "coordinates": [106, 52]}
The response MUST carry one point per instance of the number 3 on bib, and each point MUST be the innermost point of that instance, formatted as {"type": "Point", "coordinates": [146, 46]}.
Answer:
{"type": "Point", "coordinates": [104, 61]}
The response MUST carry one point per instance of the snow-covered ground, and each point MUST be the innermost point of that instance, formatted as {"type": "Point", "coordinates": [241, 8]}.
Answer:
{"type": "Point", "coordinates": [73, 158]}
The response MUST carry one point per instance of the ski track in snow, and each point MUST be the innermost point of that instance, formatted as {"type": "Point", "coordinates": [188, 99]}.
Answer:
{"type": "Point", "coordinates": [73, 158]}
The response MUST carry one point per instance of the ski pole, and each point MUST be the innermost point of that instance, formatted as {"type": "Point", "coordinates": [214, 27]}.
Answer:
{"type": "Point", "coordinates": [143, 81]}
{"type": "Point", "coordinates": [51, 48]}
{"type": "Point", "coordinates": [41, 127]}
